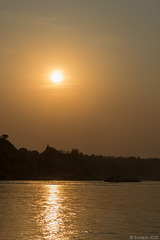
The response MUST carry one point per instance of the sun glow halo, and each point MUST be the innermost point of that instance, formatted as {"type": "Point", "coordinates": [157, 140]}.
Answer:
{"type": "Point", "coordinates": [56, 77]}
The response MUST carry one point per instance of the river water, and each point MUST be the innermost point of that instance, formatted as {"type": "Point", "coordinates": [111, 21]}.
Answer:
{"type": "Point", "coordinates": [82, 210]}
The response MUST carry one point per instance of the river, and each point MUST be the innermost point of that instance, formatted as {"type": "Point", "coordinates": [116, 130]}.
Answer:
{"type": "Point", "coordinates": [82, 210]}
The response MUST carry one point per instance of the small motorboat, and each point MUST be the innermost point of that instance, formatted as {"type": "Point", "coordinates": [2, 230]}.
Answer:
{"type": "Point", "coordinates": [119, 179]}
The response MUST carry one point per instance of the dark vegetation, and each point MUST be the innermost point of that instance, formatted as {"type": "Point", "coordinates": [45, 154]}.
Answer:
{"type": "Point", "coordinates": [52, 164]}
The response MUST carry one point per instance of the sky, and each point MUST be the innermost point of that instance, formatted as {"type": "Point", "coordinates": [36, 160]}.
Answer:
{"type": "Point", "coordinates": [108, 52]}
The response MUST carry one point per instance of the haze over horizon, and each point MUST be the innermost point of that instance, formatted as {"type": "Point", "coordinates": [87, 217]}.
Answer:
{"type": "Point", "coordinates": [108, 53]}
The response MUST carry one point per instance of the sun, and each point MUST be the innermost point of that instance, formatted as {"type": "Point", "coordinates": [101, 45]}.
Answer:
{"type": "Point", "coordinates": [56, 77]}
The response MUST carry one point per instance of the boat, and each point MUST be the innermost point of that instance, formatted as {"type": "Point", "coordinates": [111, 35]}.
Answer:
{"type": "Point", "coordinates": [120, 179]}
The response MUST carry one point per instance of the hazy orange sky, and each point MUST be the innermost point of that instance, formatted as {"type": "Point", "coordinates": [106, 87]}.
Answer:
{"type": "Point", "coordinates": [109, 54]}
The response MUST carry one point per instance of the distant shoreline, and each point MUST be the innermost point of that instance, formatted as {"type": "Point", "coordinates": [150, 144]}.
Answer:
{"type": "Point", "coordinates": [56, 165]}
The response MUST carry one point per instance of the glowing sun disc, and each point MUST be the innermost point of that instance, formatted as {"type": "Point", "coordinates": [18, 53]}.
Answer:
{"type": "Point", "coordinates": [56, 77]}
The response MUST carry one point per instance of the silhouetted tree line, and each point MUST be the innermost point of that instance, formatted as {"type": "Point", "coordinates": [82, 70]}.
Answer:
{"type": "Point", "coordinates": [74, 165]}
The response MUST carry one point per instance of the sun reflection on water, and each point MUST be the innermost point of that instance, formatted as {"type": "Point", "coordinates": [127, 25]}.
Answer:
{"type": "Point", "coordinates": [51, 221]}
